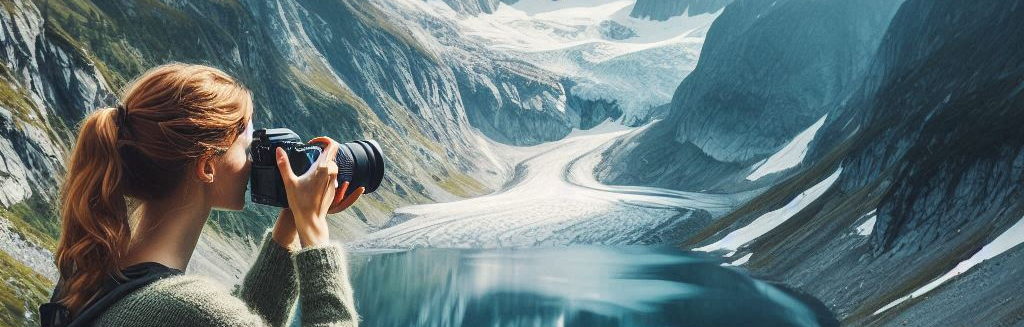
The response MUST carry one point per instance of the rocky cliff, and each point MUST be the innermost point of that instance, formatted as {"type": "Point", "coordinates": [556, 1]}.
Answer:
{"type": "Point", "coordinates": [474, 7]}
{"type": "Point", "coordinates": [43, 80]}
{"type": "Point", "coordinates": [767, 72]}
{"type": "Point", "coordinates": [922, 174]}
{"type": "Point", "coordinates": [665, 9]}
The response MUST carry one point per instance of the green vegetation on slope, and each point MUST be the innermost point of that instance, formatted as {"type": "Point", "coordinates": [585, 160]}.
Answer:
{"type": "Point", "coordinates": [21, 294]}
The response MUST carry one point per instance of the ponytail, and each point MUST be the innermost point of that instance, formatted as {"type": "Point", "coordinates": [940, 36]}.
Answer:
{"type": "Point", "coordinates": [95, 230]}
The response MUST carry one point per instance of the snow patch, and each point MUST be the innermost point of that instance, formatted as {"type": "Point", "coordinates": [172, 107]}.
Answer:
{"type": "Point", "coordinates": [742, 260]}
{"type": "Point", "coordinates": [1005, 241]}
{"type": "Point", "coordinates": [790, 155]}
{"type": "Point", "coordinates": [868, 226]}
{"type": "Point", "coordinates": [765, 223]}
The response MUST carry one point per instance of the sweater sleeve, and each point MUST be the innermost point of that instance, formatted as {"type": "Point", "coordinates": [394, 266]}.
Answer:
{"type": "Point", "coordinates": [326, 297]}
{"type": "Point", "coordinates": [270, 287]}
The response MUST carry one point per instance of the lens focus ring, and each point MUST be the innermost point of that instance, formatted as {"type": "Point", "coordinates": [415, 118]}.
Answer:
{"type": "Point", "coordinates": [345, 162]}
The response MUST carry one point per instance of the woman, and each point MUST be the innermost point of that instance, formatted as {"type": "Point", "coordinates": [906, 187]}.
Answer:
{"type": "Point", "coordinates": [177, 147]}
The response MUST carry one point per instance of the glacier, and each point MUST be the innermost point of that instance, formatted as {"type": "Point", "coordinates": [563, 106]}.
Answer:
{"type": "Point", "coordinates": [552, 198]}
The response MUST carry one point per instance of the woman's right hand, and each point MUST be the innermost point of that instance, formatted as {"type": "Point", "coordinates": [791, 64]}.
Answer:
{"type": "Point", "coordinates": [310, 195]}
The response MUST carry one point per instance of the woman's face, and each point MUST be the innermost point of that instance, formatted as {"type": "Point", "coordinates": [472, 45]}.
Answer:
{"type": "Point", "coordinates": [232, 173]}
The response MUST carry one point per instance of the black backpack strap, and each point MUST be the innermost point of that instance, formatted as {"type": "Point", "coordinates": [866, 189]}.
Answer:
{"type": "Point", "coordinates": [54, 314]}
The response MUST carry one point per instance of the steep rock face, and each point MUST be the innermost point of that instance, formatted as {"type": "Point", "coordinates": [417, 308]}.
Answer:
{"type": "Point", "coordinates": [474, 7]}
{"type": "Point", "coordinates": [932, 160]}
{"type": "Point", "coordinates": [508, 99]}
{"type": "Point", "coordinates": [770, 69]}
{"type": "Point", "coordinates": [665, 9]}
{"type": "Point", "coordinates": [590, 113]}
{"type": "Point", "coordinates": [650, 157]}
{"type": "Point", "coordinates": [41, 75]}
{"type": "Point", "coordinates": [767, 71]}
{"type": "Point", "coordinates": [514, 110]}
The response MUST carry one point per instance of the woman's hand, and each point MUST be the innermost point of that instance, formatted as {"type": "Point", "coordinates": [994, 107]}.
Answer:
{"type": "Point", "coordinates": [341, 202]}
{"type": "Point", "coordinates": [284, 231]}
{"type": "Point", "coordinates": [311, 195]}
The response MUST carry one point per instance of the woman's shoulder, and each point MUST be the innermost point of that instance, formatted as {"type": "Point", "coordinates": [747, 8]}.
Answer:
{"type": "Point", "coordinates": [180, 300]}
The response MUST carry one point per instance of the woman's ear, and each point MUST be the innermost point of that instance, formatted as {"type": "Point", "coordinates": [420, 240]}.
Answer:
{"type": "Point", "coordinates": [206, 169]}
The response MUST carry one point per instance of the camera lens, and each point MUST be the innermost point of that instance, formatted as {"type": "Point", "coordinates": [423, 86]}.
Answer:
{"type": "Point", "coordinates": [361, 163]}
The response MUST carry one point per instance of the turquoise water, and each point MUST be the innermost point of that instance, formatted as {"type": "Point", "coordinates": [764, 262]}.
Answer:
{"type": "Point", "coordinates": [568, 286]}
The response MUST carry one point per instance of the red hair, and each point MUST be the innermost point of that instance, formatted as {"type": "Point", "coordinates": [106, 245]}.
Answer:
{"type": "Point", "coordinates": [173, 115]}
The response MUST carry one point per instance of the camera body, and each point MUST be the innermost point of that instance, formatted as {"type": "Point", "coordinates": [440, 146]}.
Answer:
{"type": "Point", "coordinates": [361, 163]}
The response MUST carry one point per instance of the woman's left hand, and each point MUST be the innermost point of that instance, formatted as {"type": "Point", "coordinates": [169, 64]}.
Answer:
{"type": "Point", "coordinates": [284, 232]}
{"type": "Point", "coordinates": [342, 202]}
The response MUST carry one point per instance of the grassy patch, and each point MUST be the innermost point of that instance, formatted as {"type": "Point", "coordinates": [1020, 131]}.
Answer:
{"type": "Point", "coordinates": [369, 202]}
{"type": "Point", "coordinates": [24, 290]}
{"type": "Point", "coordinates": [17, 101]}
{"type": "Point", "coordinates": [35, 220]}
{"type": "Point", "coordinates": [372, 16]}
{"type": "Point", "coordinates": [462, 185]}
{"type": "Point", "coordinates": [323, 81]}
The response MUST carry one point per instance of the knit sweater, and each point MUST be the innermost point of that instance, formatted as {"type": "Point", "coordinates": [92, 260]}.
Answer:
{"type": "Point", "coordinates": [316, 276]}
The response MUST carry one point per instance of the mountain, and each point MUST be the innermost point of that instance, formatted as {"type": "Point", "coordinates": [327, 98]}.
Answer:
{"type": "Point", "coordinates": [507, 99]}
{"type": "Point", "coordinates": [613, 63]}
{"type": "Point", "coordinates": [43, 74]}
{"type": "Point", "coordinates": [663, 10]}
{"type": "Point", "coordinates": [768, 71]}
{"type": "Point", "coordinates": [474, 7]}
{"type": "Point", "coordinates": [908, 210]}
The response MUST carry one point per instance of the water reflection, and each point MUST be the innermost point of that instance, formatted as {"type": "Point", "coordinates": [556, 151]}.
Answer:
{"type": "Point", "coordinates": [567, 286]}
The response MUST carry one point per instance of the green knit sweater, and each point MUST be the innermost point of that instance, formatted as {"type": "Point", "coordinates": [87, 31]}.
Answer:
{"type": "Point", "coordinates": [316, 276]}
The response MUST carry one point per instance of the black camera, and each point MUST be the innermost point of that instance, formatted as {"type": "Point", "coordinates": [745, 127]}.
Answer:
{"type": "Point", "coordinates": [361, 163]}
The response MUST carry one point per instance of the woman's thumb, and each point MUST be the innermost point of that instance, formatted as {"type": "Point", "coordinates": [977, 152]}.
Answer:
{"type": "Point", "coordinates": [284, 166]}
